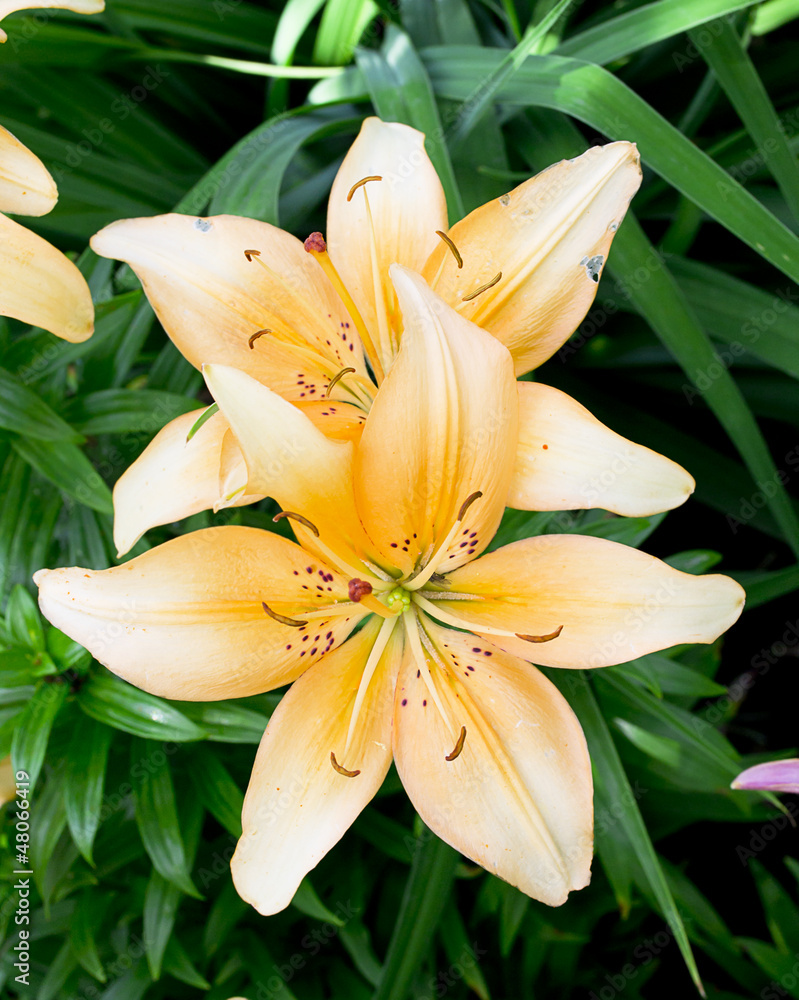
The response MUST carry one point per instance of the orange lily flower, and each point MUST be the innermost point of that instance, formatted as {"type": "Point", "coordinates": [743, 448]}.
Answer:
{"type": "Point", "coordinates": [304, 320]}
{"type": "Point", "coordinates": [392, 531]}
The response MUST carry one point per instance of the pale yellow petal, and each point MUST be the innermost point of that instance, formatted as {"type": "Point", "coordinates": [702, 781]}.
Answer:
{"type": "Point", "coordinates": [406, 206]}
{"type": "Point", "coordinates": [174, 478]}
{"type": "Point", "coordinates": [185, 620]}
{"type": "Point", "coordinates": [211, 299]}
{"type": "Point", "coordinates": [614, 602]}
{"type": "Point", "coordinates": [297, 806]}
{"type": "Point", "coordinates": [26, 187]}
{"type": "Point", "coordinates": [289, 459]}
{"type": "Point", "coordinates": [568, 459]}
{"type": "Point", "coordinates": [79, 6]}
{"type": "Point", "coordinates": [443, 427]}
{"type": "Point", "coordinates": [41, 286]}
{"type": "Point", "coordinates": [518, 798]}
{"type": "Point", "coordinates": [549, 238]}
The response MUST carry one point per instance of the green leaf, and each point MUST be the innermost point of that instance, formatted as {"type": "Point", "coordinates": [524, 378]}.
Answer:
{"type": "Point", "coordinates": [218, 792]}
{"type": "Point", "coordinates": [178, 964]}
{"type": "Point", "coordinates": [23, 412]}
{"type": "Point", "coordinates": [659, 747]}
{"type": "Point", "coordinates": [85, 923]}
{"type": "Point", "coordinates": [308, 902]}
{"type": "Point", "coordinates": [645, 25]}
{"type": "Point", "coordinates": [343, 23]}
{"type": "Point", "coordinates": [782, 914]}
{"type": "Point", "coordinates": [115, 703]}
{"type": "Point", "coordinates": [66, 466]}
{"type": "Point", "coordinates": [126, 411]}
{"type": "Point", "coordinates": [61, 968]}
{"type": "Point", "coordinates": [83, 787]}
{"type": "Point", "coordinates": [426, 892]}
{"type": "Point", "coordinates": [23, 620]}
{"type": "Point", "coordinates": [156, 813]}
{"type": "Point", "coordinates": [33, 730]}
{"type": "Point", "coordinates": [161, 901]}
{"type": "Point", "coordinates": [225, 721]}
{"type": "Point", "coordinates": [614, 794]}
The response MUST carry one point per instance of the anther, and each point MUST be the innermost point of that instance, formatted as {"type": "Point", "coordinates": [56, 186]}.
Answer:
{"type": "Point", "coordinates": [458, 746]}
{"type": "Point", "coordinates": [541, 638]}
{"type": "Point", "coordinates": [358, 589]}
{"type": "Point", "coordinates": [361, 182]}
{"type": "Point", "coordinates": [451, 245]}
{"type": "Point", "coordinates": [482, 288]}
{"type": "Point", "coordinates": [255, 336]}
{"type": "Point", "coordinates": [340, 769]}
{"type": "Point", "coordinates": [315, 244]}
{"type": "Point", "coordinates": [282, 618]}
{"type": "Point", "coordinates": [332, 382]}
{"type": "Point", "coordinates": [296, 517]}
{"type": "Point", "coordinates": [249, 254]}
{"type": "Point", "coordinates": [467, 503]}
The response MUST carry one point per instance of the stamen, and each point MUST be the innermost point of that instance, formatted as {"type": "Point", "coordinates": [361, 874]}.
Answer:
{"type": "Point", "coordinates": [467, 503]}
{"type": "Point", "coordinates": [470, 626]}
{"type": "Point", "coordinates": [296, 517]}
{"type": "Point", "coordinates": [316, 246]}
{"type": "Point", "coordinates": [359, 589]}
{"type": "Point", "coordinates": [255, 336]}
{"type": "Point", "coordinates": [482, 288]}
{"type": "Point", "coordinates": [414, 641]}
{"type": "Point", "coordinates": [541, 638]}
{"type": "Point", "coordinates": [249, 254]}
{"type": "Point", "coordinates": [458, 746]}
{"type": "Point", "coordinates": [451, 245]}
{"type": "Point", "coordinates": [340, 769]}
{"type": "Point", "coordinates": [422, 577]}
{"type": "Point", "coordinates": [385, 633]}
{"type": "Point", "coordinates": [282, 618]}
{"type": "Point", "coordinates": [335, 379]}
{"type": "Point", "coordinates": [361, 182]}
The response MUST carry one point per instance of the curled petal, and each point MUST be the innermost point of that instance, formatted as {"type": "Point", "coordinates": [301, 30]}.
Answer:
{"type": "Point", "coordinates": [26, 187]}
{"type": "Point", "coordinates": [406, 206]}
{"type": "Point", "coordinates": [773, 776]}
{"type": "Point", "coordinates": [549, 238]}
{"type": "Point", "coordinates": [517, 799]}
{"type": "Point", "coordinates": [298, 805]}
{"type": "Point", "coordinates": [174, 478]}
{"type": "Point", "coordinates": [41, 286]}
{"type": "Point", "coordinates": [185, 620]}
{"type": "Point", "coordinates": [567, 459]}
{"type": "Point", "coordinates": [614, 602]}
{"type": "Point", "coordinates": [442, 430]}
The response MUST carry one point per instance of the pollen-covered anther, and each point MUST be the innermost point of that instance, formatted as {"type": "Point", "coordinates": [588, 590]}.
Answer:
{"type": "Point", "coordinates": [358, 589]}
{"type": "Point", "coordinates": [467, 503]}
{"type": "Point", "coordinates": [296, 517]}
{"type": "Point", "coordinates": [541, 638]}
{"type": "Point", "coordinates": [455, 252]}
{"type": "Point", "coordinates": [336, 378]}
{"type": "Point", "coordinates": [249, 254]}
{"type": "Point", "coordinates": [315, 244]}
{"type": "Point", "coordinates": [255, 336]}
{"type": "Point", "coordinates": [295, 622]}
{"type": "Point", "coordinates": [340, 769]}
{"type": "Point", "coordinates": [458, 746]}
{"type": "Point", "coordinates": [361, 182]}
{"type": "Point", "coordinates": [482, 288]}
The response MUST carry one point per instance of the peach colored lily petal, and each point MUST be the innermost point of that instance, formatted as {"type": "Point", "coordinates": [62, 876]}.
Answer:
{"type": "Point", "coordinates": [518, 798]}
{"type": "Point", "coordinates": [41, 286]}
{"type": "Point", "coordinates": [549, 238]}
{"type": "Point", "coordinates": [392, 220]}
{"type": "Point", "coordinates": [26, 187]}
{"type": "Point", "coordinates": [8, 785]}
{"type": "Point", "coordinates": [567, 459]}
{"type": "Point", "coordinates": [614, 602]}
{"type": "Point", "coordinates": [297, 806]}
{"type": "Point", "coordinates": [442, 428]}
{"type": "Point", "coordinates": [174, 478]}
{"type": "Point", "coordinates": [211, 299]}
{"type": "Point", "coordinates": [185, 620]}
{"type": "Point", "coordinates": [79, 6]}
